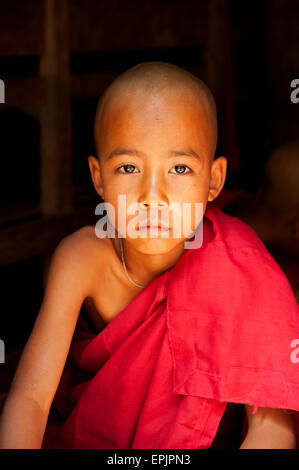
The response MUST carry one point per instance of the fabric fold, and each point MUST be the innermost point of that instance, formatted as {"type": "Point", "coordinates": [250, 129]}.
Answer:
{"type": "Point", "coordinates": [237, 347]}
{"type": "Point", "coordinates": [214, 329]}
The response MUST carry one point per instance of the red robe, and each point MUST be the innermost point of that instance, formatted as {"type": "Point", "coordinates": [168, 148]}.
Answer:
{"type": "Point", "coordinates": [214, 329]}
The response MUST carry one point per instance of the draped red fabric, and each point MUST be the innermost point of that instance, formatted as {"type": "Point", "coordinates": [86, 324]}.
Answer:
{"type": "Point", "coordinates": [217, 328]}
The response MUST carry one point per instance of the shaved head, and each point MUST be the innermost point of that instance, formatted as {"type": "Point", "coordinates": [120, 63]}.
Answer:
{"type": "Point", "coordinates": [156, 136]}
{"type": "Point", "coordinates": [158, 79]}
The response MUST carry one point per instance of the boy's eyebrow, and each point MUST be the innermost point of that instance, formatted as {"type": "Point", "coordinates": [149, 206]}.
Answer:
{"type": "Point", "coordinates": [137, 153]}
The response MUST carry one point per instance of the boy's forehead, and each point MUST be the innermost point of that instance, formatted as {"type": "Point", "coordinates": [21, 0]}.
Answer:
{"type": "Point", "coordinates": [175, 128]}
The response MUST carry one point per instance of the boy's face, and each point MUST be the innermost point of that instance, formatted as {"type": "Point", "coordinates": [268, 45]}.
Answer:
{"type": "Point", "coordinates": [157, 150]}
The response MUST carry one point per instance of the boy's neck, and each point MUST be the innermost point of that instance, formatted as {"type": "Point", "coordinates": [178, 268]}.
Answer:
{"type": "Point", "coordinates": [142, 267]}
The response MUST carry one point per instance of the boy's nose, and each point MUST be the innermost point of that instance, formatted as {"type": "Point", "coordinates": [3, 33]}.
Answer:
{"type": "Point", "coordinates": [153, 195]}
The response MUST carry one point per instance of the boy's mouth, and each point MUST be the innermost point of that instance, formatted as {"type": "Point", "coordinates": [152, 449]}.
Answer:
{"type": "Point", "coordinates": [145, 228]}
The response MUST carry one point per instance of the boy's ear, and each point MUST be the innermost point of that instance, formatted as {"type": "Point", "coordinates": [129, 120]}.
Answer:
{"type": "Point", "coordinates": [218, 175]}
{"type": "Point", "coordinates": [95, 171]}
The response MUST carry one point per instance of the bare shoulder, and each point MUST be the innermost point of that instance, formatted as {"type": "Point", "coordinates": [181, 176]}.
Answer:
{"type": "Point", "coordinates": [83, 245]}
{"type": "Point", "coordinates": [82, 253]}
{"type": "Point", "coordinates": [80, 241]}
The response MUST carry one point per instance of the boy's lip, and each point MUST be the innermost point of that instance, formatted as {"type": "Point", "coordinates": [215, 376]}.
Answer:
{"type": "Point", "coordinates": [153, 226]}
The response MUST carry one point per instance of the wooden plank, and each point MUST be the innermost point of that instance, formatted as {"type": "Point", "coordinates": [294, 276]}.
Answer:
{"type": "Point", "coordinates": [282, 39]}
{"type": "Point", "coordinates": [89, 85]}
{"type": "Point", "coordinates": [98, 26]}
{"type": "Point", "coordinates": [27, 239]}
{"type": "Point", "coordinates": [21, 28]}
{"type": "Point", "coordinates": [220, 78]}
{"type": "Point", "coordinates": [24, 92]}
{"type": "Point", "coordinates": [56, 138]}
{"type": "Point", "coordinates": [16, 212]}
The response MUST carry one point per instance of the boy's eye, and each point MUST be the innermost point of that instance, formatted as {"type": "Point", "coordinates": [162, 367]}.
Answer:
{"type": "Point", "coordinates": [129, 167]}
{"type": "Point", "coordinates": [181, 169]}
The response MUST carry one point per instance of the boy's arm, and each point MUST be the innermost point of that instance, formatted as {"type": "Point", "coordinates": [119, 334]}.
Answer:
{"type": "Point", "coordinates": [269, 428]}
{"type": "Point", "coordinates": [26, 410]}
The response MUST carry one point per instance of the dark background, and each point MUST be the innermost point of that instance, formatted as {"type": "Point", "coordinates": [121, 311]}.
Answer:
{"type": "Point", "coordinates": [57, 57]}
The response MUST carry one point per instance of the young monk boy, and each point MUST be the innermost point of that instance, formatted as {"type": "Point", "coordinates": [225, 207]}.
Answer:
{"type": "Point", "coordinates": [187, 330]}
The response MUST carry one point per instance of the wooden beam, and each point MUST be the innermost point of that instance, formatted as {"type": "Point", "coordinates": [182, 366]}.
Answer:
{"type": "Point", "coordinates": [36, 237]}
{"type": "Point", "coordinates": [24, 92]}
{"type": "Point", "coordinates": [91, 85]}
{"type": "Point", "coordinates": [11, 213]}
{"type": "Point", "coordinates": [120, 25]}
{"type": "Point", "coordinates": [21, 28]}
{"type": "Point", "coordinates": [56, 140]}
{"type": "Point", "coordinates": [220, 78]}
